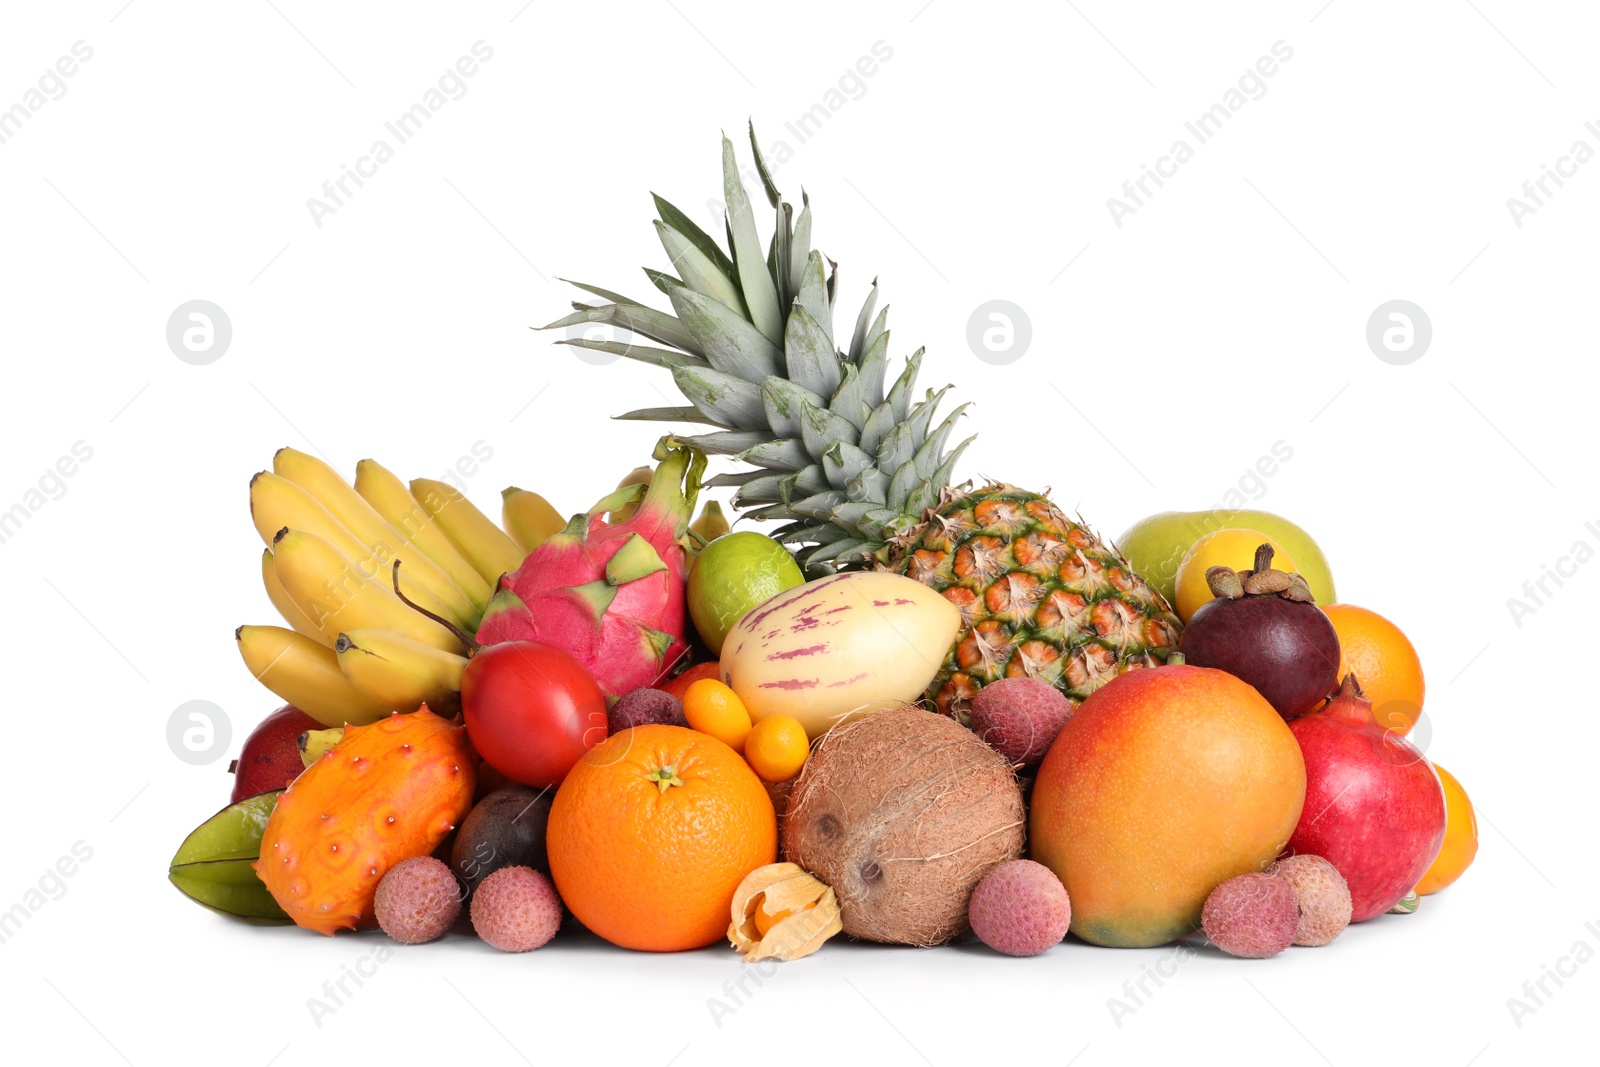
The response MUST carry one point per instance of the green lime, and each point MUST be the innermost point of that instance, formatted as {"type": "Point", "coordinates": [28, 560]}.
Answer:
{"type": "Point", "coordinates": [735, 573]}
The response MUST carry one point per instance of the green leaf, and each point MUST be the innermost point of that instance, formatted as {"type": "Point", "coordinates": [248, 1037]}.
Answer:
{"type": "Point", "coordinates": [871, 484]}
{"type": "Point", "coordinates": [734, 478]}
{"type": "Point", "coordinates": [897, 448]}
{"type": "Point", "coordinates": [842, 462]}
{"type": "Point", "coordinates": [804, 482]}
{"type": "Point", "coordinates": [813, 296]}
{"type": "Point", "coordinates": [783, 401]}
{"type": "Point", "coordinates": [876, 428]}
{"type": "Point", "coordinates": [726, 399]}
{"type": "Point", "coordinates": [728, 443]}
{"type": "Point", "coordinates": [900, 486]}
{"type": "Point", "coordinates": [728, 342]}
{"type": "Point", "coordinates": [782, 455]}
{"type": "Point", "coordinates": [759, 295]}
{"type": "Point", "coordinates": [828, 553]}
{"type": "Point", "coordinates": [761, 169]}
{"type": "Point", "coordinates": [874, 364]}
{"type": "Point", "coordinates": [778, 254]}
{"type": "Point", "coordinates": [849, 401]}
{"type": "Point", "coordinates": [853, 516]}
{"type": "Point", "coordinates": [658, 357]}
{"type": "Point", "coordinates": [820, 427]}
{"type": "Point", "coordinates": [764, 489]}
{"type": "Point", "coordinates": [812, 361]}
{"type": "Point", "coordinates": [656, 325]}
{"type": "Point", "coordinates": [922, 415]}
{"type": "Point", "coordinates": [880, 327]}
{"type": "Point", "coordinates": [698, 237]}
{"type": "Point", "coordinates": [818, 505]}
{"type": "Point", "coordinates": [931, 453]}
{"type": "Point", "coordinates": [800, 245]}
{"type": "Point", "coordinates": [858, 340]}
{"type": "Point", "coordinates": [697, 270]}
{"type": "Point", "coordinates": [665, 415]}
{"type": "Point", "coordinates": [900, 393]}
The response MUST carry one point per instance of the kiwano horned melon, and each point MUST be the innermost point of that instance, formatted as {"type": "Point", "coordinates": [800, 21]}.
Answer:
{"type": "Point", "coordinates": [384, 793]}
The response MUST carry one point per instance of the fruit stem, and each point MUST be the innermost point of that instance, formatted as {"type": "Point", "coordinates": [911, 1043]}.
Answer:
{"type": "Point", "coordinates": [1349, 704]}
{"type": "Point", "coordinates": [470, 642]}
{"type": "Point", "coordinates": [1264, 555]}
{"type": "Point", "coordinates": [664, 778]}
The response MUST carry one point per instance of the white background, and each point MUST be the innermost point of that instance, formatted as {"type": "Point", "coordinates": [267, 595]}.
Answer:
{"type": "Point", "coordinates": [1227, 314]}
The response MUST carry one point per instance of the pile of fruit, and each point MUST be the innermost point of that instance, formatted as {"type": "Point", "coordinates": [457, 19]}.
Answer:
{"type": "Point", "coordinates": [916, 710]}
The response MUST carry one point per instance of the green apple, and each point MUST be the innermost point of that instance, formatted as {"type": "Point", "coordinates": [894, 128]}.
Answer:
{"type": "Point", "coordinates": [1156, 545]}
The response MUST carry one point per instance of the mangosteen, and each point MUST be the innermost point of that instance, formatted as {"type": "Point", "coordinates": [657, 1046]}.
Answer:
{"type": "Point", "coordinates": [1265, 629]}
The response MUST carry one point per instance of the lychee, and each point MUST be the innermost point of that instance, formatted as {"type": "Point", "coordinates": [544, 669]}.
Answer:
{"type": "Point", "coordinates": [1020, 908]}
{"type": "Point", "coordinates": [1020, 717]}
{"type": "Point", "coordinates": [417, 900]}
{"type": "Point", "coordinates": [516, 909]}
{"type": "Point", "coordinates": [644, 706]}
{"type": "Point", "coordinates": [1322, 895]}
{"type": "Point", "coordinates": [1252, 915]}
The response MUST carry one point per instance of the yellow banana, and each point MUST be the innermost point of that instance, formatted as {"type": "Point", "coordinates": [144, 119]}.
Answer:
{"type": "Point", "coordinates": [328, 586]}
{"type": "Point", "coordinates": [400, 673]}
{"type": "Point", "coordinates": [391, 499]}
{"type": "Point", "coordinates": [487, 546]}
{"type": "Point", "coordinates": [276, 502]}
{"type": "Point", "coordinates": [528, 518]}
{"type": "Point", "coordinates": [280, 600]}
{"type": "Point", "coordinates": [314, 744]}
{"type": "Point", "coordinates": [369, 527]}
{"type": "Point", "coordinates": [711, 524]}
{"type": "Point", "coordinates": [305, 674]}
{"type": "Point", "coordinates": [637, 476]}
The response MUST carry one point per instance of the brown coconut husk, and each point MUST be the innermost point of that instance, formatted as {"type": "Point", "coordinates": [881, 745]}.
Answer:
{"type": "Point", "coordinates": [901, 813]}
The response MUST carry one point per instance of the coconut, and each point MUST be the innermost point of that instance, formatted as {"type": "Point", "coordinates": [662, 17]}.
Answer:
{"type": "Point", "coordinates": [901, 813]}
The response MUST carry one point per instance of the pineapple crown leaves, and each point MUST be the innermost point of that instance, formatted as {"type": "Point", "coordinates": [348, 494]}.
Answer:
{"type": "Point", "coordinates": [848, 460]}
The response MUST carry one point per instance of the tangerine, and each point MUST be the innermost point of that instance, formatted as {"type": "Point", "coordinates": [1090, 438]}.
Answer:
{"type": "Point", "coordinates": [713, 708]}
{"type": "Point", "coordinates": [652, 831]}
{"type": "Point", "coordinates": [1383, 660]}
{"type": "Point", "coordinates": [776, 748]}
{"type": "Point", "coordinates": [1460, 837]}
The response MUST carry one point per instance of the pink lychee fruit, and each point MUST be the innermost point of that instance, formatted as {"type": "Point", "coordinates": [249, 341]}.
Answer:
{"type": "Point", "coordinates": [1020, 908]}
{"type": "Point", "coordinates": [1322, 895]}
{"type": "Point", "coordinates": [1252, 915]}
{"type": "Point", "coordinates": [1020, 717]}
{"type": "Point", "coordinates": [417, 900]}
{"type": "Point", "coordinates": [516, 909]}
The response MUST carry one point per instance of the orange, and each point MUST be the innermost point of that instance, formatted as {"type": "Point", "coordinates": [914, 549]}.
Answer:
{"type": "Point", "coordinates": [776, 749]}
{"type": "Point", "coordinates": [1460, 837]}
{"type": "Point", "coordinates": [713, 708]}
{"type": "Point", "coordinates": [652, 831]}
{"type": "Point", "coordinates": [1383, 661]}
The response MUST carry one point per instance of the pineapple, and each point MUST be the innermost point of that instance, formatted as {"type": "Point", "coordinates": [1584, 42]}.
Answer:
{"type": "Point", "coordinates": [860, 475]}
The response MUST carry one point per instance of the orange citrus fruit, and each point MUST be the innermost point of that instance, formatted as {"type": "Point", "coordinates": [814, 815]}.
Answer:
{"type": "Point", "coordinates": [713, 708]}
{"type": "Point", "coordinates": [1383, 661]}
{"type": "Point", "coordinates": [652, 831]}
{"type": "Point", "coordinates": [1460, 837]}
{"type": "Point", "coordinates": [777, 748]}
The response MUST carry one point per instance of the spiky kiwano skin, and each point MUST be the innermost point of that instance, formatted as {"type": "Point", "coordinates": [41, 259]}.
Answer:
{"type": "Point", "coordinates": [384, 793]}
{"type": "Point", "coordinates": [858, 470]}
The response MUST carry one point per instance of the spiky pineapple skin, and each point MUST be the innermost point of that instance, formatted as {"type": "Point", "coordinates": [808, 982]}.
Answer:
{"type": "Point", "coordinates": [1039, 594]}
{"type": "Point", "coordinates": [384, 793]}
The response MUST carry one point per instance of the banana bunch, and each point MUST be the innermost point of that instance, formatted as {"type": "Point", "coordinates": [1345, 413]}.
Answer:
{"type": "Point", "coordinates": [352, 650]}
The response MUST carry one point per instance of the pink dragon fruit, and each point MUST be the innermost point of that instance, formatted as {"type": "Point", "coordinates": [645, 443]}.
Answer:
{"type": "Point", "coordinates": [610, 595]}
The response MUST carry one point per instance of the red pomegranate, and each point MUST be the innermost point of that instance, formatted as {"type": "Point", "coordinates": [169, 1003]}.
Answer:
{"type": "Point", "coordinates": [1374, 806]}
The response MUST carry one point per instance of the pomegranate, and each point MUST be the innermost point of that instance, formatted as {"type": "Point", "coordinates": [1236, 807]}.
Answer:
{"type": "Point", "coordinates": [1374, 806]}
